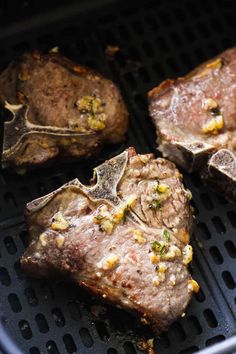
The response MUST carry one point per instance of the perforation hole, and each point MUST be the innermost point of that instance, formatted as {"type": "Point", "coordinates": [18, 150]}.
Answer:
{"type": "Point", "coordinates": [14, 303]}
{"type": "Point", "coordinates": [189, 350]}
{"type": "Point", "coordinates": [4, 277]}
{"type": "Point", "coordinates": [219, 226]}
{"type": "Point", "coordinates": [177, 331]}
{"type": "Point", "coordinates": [232, 218]}
{"type": "Point", "coordinates": [202, 230]}
{"type": "Point", "coordinates": [200, 296]}
{"type": "Point", "coordinates": [102, 330]}
{"type": "Point", "coordinates": [58, 317]}
{"type": "Point", "coordinates": [86, 337]}
{"type": "Point", "coordinates": [18, 270]}
{"type": "Point", "coordinates": [194, 325]}
{"type": "Point", "coordinates": [10, 245]}
{"type": "Point", "coordinates": [52, 347]}
{"type": "Point", "coordinates": [69, 343]}
{"type": "Point", "coordinates": [215, 340]}
{"type": "Point", "coordinates": [74, 310]}
{"type": "Point", "coordinates": [25, 329]}
{"type": "Point", "coordinates": [216, 255]}
{"type": "Point", "coordinates": [47, 292]}
{"type": "Point", "coordinates": [24, 236]}
{"type": "Point", "coordinates": [230, 248]}
{"type": "Point", "coordinates": [41, 323]}
{"type": "Point", "coordinates": [228, 279]}
{"type": "Point", "coordinates": [34, 350]}
{"type": "Point", "coordinates": [206, 201]}
{"type": "Point", "coordinates": [31, 297]}
{"type": "Point", "coordinates": [210, 318]}
{"type": "Point", "coordinates": [129, 348]}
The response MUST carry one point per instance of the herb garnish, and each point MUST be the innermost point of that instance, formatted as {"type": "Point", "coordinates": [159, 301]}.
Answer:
{"type": "Point", "coordinates": [155, 204]}
{"type": "Point", "coordinates": [161, 247]}
{"type": "Point", "coordinates": [155, 246]}
{"type": "Point", "coordinates": [166, 236]}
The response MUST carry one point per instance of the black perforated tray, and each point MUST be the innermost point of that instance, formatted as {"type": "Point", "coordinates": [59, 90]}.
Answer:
{"type": "Point", "coordinates": [157, 40]}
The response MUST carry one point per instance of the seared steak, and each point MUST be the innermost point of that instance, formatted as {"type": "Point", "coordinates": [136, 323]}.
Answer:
{"type": "Point", "coordinates": [195, 117]}
{"type": "Point", "coordinates": [59, 109]}
{"type": "Point", "coordinates": [125, 238]}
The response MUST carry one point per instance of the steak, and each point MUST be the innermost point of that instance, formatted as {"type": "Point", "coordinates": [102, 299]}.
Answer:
{"type": "Point", "coordinates": [125, 238]}
{"type": "Point", "coordinates": [195, 120]}
{"type": "Point", "coordinates": [59, 108]}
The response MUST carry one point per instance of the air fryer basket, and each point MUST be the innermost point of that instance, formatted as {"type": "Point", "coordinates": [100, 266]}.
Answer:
{"type": "Point", "coordinates": [156, 39]}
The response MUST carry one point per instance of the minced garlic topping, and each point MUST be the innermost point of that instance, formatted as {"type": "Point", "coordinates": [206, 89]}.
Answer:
{"type": "Point", "coordinates": [59, 222]}
{"type": "Point", "coordinates": [213, 125]}
{"type": "Point", "coordinates": [108, 220]}
{"type": "Point", "coordinates": [60, 240]}
{"type": "Point", "coordinates": [109, 262]}
{"type": "Point", "coordinates": [93, 107]}
{"type": "Point", "coordinates": [216, 123]}
{"type": "Point", "coordinates": [187, 254]}
{"type": "Point", "coordinates": [138, 236]}
{"type": "Point", "coordinates": [43, 239]}
{"type": "Point", "coordinates": [193, 286]}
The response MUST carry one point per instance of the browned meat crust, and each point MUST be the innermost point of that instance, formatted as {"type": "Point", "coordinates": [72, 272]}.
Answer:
{"type": "Point", "coordinates": [125, 238]}
{"type": "Point", "coordinates": [60, 109]}
{"type": "Point", "coordinates": [195, 116]}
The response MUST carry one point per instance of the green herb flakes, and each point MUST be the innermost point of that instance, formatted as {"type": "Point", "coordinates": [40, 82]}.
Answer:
{"type": "Point", "coordinates": [166, 236]}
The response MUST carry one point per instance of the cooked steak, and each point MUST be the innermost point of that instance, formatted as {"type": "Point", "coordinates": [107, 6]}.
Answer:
{"type": "Point", "coordinates": [195, 117]}
{"type": "Point", "coordinates": [125, 238]}
{"type": "Point", "coordinates": [59, 109]}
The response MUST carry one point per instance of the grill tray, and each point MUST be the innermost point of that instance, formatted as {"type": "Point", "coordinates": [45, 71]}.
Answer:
{"type": "Point", "coordinates": [157, 40]}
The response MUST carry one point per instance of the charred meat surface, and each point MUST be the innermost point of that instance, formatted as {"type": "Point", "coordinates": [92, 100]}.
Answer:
{"type": "Point", "coordinates": [59, 109]}
{"type": "Point", "coordinates": [125, 238]}
{"type": "Point", "coordinates": [195, 117]}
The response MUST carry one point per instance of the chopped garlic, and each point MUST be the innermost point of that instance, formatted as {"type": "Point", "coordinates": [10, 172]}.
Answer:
{"type": "Point", "coordinates": [60, 240]}
{"type": "Point", "coordinates": [96, 124]}
{"type": "Point", "coordinates": [119, 212]}
{"type": "Point", "coordinates": [158, 279]}
{"type": "Point", "coordinates": [107, 226]}
{"type": "Point", "coordinates": [214, 64]}
{"type": "Point", "coordinates": [162, 267]}
{"type": "Point", "coordinates": [213, 125]}
{"type": "Point", "coordinates": [59, 222]}
{"type": "Point", "coordinates": [173, 252]}
{"type": "Point", "coordinates": [155, 281]}
{"type": "Point", "coordinates": [43, 239]}
{"type": "Point", "coordinates": [209, 103]}
{"type": "Point", "coordinates": [219, 122]}
{"type": "Point", "coordinates": [109, 262]}
{"type": "Point", "coordinates": [138, 236]}
{"type": "Point", "coordinates": [187, 254]}
{"type": "Point", "coordinates": [173, 279]}
{"type": "Point", "coordinates": [193, 286]}
{"type": "Point", "coordinates": [162, 188]}
{"type": "Point", "coordinates": [154, 258]}
{"type": "Point", "coordinates": [144, 158]}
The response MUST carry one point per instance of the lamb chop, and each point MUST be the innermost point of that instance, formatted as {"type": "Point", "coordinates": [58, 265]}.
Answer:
{"type": "Point", "coordinates": [195, 120]}
{"type": "Point", "coordinates": [125, 238]}
{"type": "Point", "coordinates": [60, 109]}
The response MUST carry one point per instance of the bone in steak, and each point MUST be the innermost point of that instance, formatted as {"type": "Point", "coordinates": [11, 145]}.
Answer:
{"type": "Point", "coordinates": [195, 119]}
{"type": "Point", "coordinates": [59, 109]}
{"type": "Point", "coordinates": [125, 238]}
